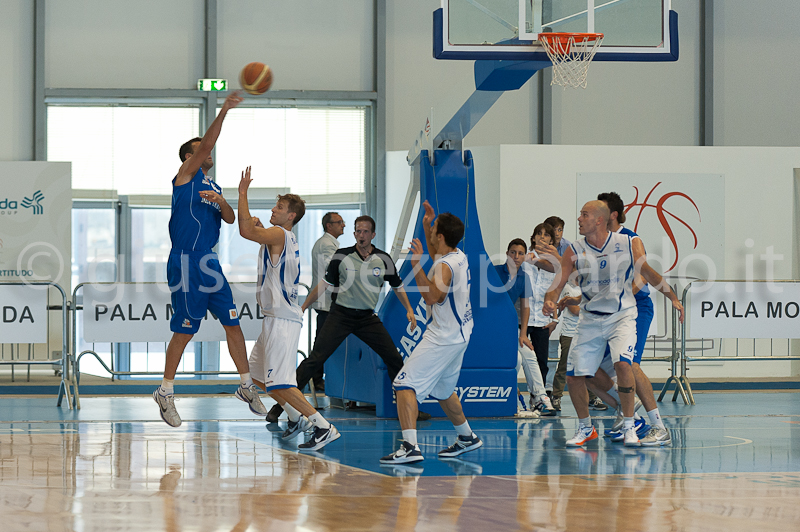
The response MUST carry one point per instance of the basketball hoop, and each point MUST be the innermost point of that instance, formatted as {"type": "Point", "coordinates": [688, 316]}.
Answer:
{"type": "Point", "coordinates": [571, 54]}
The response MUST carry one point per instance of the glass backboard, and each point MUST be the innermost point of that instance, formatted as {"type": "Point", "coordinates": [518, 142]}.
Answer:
{"type": "Point", "coordinates": [635, 30]}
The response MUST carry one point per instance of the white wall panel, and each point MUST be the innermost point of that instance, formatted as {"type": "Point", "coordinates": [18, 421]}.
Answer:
{"type": "Point", "coordinates": [637, 103]}
{"type": "Point", "coordinates": [415, 82]}
{"type": "Point", "coordinates": [142, 44]}
{"type": "Point", "coordinates": [310, 45]}
{"type": "Point", "coordinates": [756, 75]}
{"type": "Point", "coordinates": [16, 61]}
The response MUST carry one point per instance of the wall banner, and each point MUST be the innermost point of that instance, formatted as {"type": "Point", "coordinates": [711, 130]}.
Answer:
{"type": "Point", "coordinates": [744, 310]}
{"type": "Point", "coordinates": [23, 314]}
{"type": "Point", "coordinates": [141, 313]}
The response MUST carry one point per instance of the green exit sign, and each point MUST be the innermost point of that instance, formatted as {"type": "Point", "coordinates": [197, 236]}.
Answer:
{"type": "Point", "coordinates": [212, 84]}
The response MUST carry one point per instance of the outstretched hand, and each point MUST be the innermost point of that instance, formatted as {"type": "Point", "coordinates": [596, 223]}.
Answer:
{"type": "Point", "coordinates": [232, 101]}
{"type": "Point", "coordinates": [244, 183]}
{"type": "Point", "coordinates": [211, 196]}
{"type": "Point", "coordinates": [429, 216]}
{"type": "Point", "coordinates": [416, 250]}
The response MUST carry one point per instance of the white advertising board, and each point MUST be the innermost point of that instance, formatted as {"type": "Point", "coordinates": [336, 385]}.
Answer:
{"type": "Point", "coordinates": [678, 216]}
{"type": "Point", "coordinates": [23, 314]}
{"type": "Point", "coordinates": [35, 222]}
{"type": "Point", "coordinates": [744, 310]}
{"type": "Point", "coordinates": [141, 313]}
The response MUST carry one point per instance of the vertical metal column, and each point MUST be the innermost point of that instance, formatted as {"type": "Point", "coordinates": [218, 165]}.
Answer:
{"type": "Point", "coordinates": [707, 73]}
{"type": "Point", "coordinates": [376, 179]}
{"type": "Point", "coordinates": [39, 110]}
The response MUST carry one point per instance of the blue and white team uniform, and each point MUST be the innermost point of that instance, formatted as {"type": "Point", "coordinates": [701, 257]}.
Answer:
{"type": "Point", "coordinates": [273, 359]}
{"type": "Point", "coordinates": [433, 367]}
{"type": "Point", "coordinates": [193, 271]}
{"type": "Point", "coordinates": [608, 307]}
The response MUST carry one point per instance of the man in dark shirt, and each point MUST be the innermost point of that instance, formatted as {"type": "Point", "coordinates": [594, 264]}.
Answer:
{"type": "Point", "coordinates": [356, 275]}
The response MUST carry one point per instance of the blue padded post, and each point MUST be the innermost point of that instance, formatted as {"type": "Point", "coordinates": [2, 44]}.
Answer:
{"type": "Point", "coordinates": [488, 378]}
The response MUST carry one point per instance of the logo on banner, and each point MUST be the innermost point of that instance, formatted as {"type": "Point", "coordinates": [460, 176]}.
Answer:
{"type": "Point", "coordinates": [665, 217]}
{"type": "Point", "coordinates": [9, 206]}
{"type": "Point", "coordinates": [34, 202]}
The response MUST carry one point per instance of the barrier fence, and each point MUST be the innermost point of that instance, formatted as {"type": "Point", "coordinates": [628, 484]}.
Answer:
{"type": "Point", "coordinates": [148, 304]}
{"type": "Point", "coordinates": [26, 320]}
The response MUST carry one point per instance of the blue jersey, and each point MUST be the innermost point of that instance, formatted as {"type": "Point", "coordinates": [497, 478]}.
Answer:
{"type": "Point", "coordinates": [644, 293]}
{"type": "Point", "coordinates": [195, 221]}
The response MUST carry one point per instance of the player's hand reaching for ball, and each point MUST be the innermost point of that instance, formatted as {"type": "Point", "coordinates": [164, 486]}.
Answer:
{"type": "Point", "coordinates": [244, 183]}
{"type": "Point", "coordinates": [232, 101]}
{"type": "Point", "coordinates": [429, 216]}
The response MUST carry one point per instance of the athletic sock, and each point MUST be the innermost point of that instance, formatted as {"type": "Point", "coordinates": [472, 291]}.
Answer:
{"type": "Point", "coordinates": [247, 381]}
{"type": "Point", "coordinates": [655, 418]}
{"type": "Point", "coordinates": [292, 412]}
{"type": "Point", "coordinates": [167, 386]}
{"type": "Point", "coordinates": [585, 422]}
{"type": "Point", "coordinates": [463, 429]}
{"type": "Point", "coordinates": [627, 423]}
{"type": "Point", "coordinates": [318, 421]}
{"type": "Point", "coordinates": [410, 435]}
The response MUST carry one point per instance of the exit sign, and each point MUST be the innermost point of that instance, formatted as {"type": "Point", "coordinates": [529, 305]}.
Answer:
{"type": "Point", "coordinates": [212, 84]}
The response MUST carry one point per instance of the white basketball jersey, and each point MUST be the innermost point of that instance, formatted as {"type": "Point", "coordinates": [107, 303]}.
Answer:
{"type": "Point", "coordinates": [451, 320]}
{"type": "Point", "coordinates": [277, 283]}
{"type": "Point", "coordinates": [605, 275]}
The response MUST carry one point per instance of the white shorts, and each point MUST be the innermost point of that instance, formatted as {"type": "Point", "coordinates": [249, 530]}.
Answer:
{"type": "Point", "coordinates": [431, 370]}
{"type": "Point", "coordinates": [273, 359]}
{"type": "Point", "coordinates": [589, 345]}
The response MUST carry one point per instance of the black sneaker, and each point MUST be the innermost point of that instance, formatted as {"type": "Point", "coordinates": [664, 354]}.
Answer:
{"type": "Point", "coordinates": [462, 445]}
{"type": "Point", "coordinates": [597, 404]}
{"type": "Point", "coordinates": [423, 416]}
{"type": "Point", "coordinates": [320, 438]}
{"type": "Point", "coordinates": [557, 404]}
{"type": "Point", "coordinates": [406, 454]}
{"type": "Point", "coordinates": [274, 413]}
{"type": "Point", "coordinates": [296, 427]}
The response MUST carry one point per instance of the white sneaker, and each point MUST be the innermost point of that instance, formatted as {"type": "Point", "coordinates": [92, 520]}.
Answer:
{"type": "Point", "coordinates": [657, 437]}
{"type": "Point", "coordinates": [618, 421]}
{"type": "Point", "coordinates": [529, 414]}
{"type": "Point", "coordinates": [166, 406]}
{"type": "Point", "coordinates": [631, 439]}
{"type": "Point", "coordinates": [249, 394]}
{"type": "Point", "coordinates": [583, 435]}
{"type": "Point", "coordinates": [547, 403]}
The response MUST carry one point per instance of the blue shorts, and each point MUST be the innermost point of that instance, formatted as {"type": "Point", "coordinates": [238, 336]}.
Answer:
{"type": "Point", "coordinates": [201, 288]}
{"type": "Point", "coordinates": [643, 320]}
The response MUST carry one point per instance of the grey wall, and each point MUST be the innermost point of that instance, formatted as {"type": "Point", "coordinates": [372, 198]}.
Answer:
{"type": "Point", "coordinates": [323, 45]}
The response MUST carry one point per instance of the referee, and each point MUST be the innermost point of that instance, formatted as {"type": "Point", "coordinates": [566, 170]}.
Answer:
{"type": "Point", "coordinates": [357, 275]}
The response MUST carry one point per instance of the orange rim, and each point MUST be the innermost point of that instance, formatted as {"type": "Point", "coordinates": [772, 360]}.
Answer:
{"type": "Point", "coordinates": [564, 38]}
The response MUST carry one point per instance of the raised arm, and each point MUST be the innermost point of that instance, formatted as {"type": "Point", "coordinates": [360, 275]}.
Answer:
{"type": "Point", "coordinates": [249, 226]}
{"type": "Point", "coordinates": [193, 163]}
{"type": "Point", "coordinates": [431, 290]}
{"type": "Point", "coordinates": [427, 221]}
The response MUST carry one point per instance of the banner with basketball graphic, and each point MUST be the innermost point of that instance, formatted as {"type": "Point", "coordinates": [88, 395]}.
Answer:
{"type": "Point", "coordinates": [36, 222]}
{"type": "Point", "coordinates": [680, 217]}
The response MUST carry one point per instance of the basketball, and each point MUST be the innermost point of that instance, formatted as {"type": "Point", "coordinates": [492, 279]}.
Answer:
{"type": "Point", "coordinates": [256, 78]}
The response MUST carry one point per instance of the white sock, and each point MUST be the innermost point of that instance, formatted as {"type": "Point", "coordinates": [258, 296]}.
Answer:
{"type": "Point", "coordinates": [318, 421]}
{"type": "Point", "coordinates": [410, 435]}
{"type": "Point", "coordinates": [246, 380]}
{"type": "Point", "coordinates": [167, 386]}
{"type": "Point", "coordinates": [585, 422]}
{"type": "Point", "coordinates": [292, 412]}
{"type": "Point", "coordinates": [627, 423]}
{"type": "Point", "coordinates": [655, 418]}
{"type": "Point", "coordinates": [463, 429]}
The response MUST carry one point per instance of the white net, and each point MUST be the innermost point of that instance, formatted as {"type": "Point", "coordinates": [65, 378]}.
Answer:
{"type": "Point", "coordinates": [571, 55]}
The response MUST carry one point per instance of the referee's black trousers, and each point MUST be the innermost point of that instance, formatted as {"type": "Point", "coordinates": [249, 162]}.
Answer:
{"type": "Point", "coordinates": [342, 322]}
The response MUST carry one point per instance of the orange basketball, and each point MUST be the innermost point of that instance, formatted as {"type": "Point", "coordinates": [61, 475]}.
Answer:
{"type": "Point", "coordinates": [256, 78]}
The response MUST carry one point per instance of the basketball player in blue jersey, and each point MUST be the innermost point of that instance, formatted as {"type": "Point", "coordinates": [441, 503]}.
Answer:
{"type": "Point", "coordinates": [193, 270]}
{"type": "Point", "coordinates": [274, 357]}
{"type": "Point", "coordinates": [435, 364]}
{"type": "Point", "coordinates": [605, 264]}
{"type": "Point", "coordinates": [602, 384]}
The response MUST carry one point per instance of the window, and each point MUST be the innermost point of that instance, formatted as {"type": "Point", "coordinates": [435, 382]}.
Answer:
{"type": "Point", "coordinates": [307, 150]}
{"type": "Point", "coordinates": [133, 150]}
